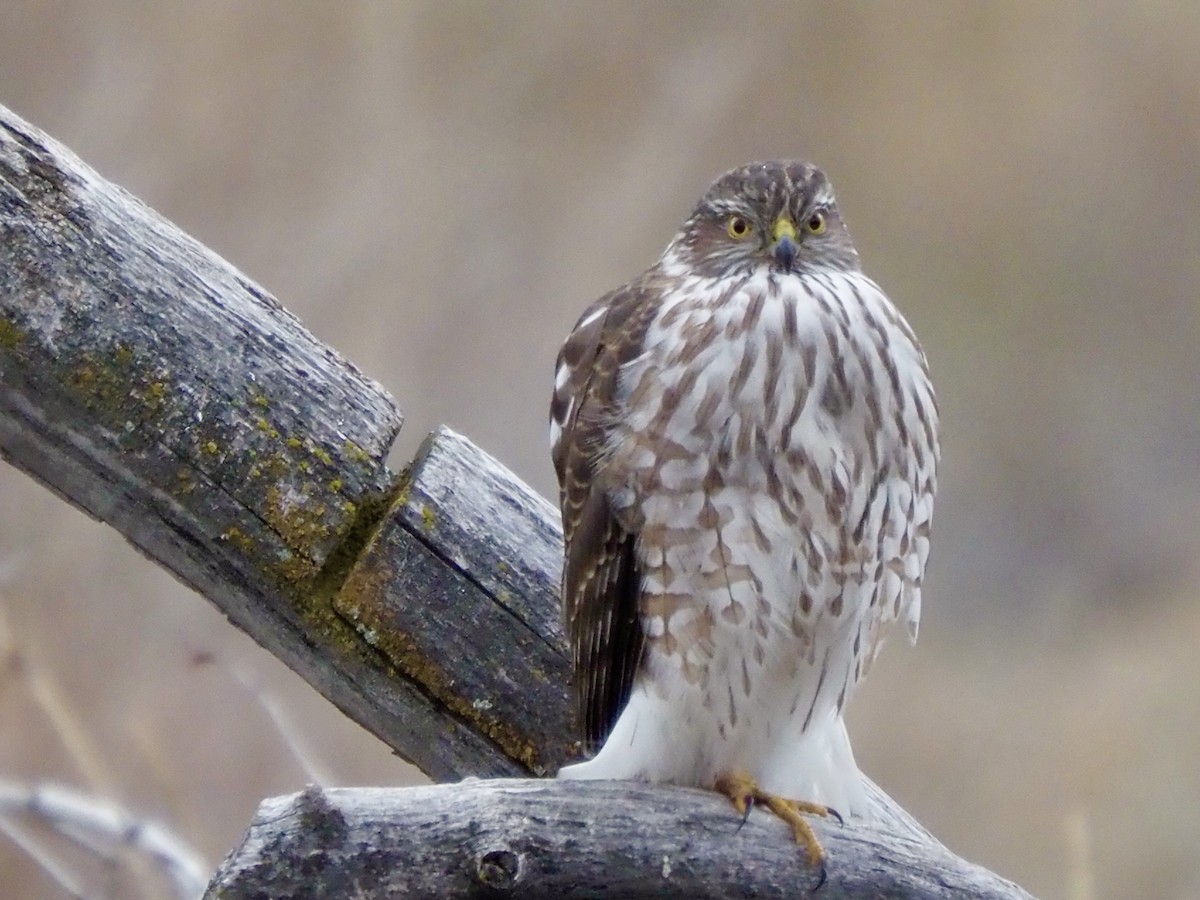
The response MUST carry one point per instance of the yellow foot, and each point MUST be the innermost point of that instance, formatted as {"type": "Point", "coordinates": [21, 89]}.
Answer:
{"type": "Point", "coordinates": [745, 792]}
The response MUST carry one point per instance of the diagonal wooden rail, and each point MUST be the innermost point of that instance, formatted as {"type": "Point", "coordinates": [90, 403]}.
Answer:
{"type": "Point", "coordinates": [149, 383]}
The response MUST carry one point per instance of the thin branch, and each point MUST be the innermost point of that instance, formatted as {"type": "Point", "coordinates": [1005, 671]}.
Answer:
{"type": "Point", "coordinates": [93, 823]}
{"type": "Point", "coordinates": [66, 723]}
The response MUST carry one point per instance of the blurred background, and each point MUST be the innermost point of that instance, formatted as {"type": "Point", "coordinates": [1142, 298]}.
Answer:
{"type": "Point", "coordinates": [438, 189]}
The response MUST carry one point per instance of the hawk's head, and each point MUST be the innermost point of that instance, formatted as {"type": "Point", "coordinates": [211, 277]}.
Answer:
{"type": "Point", "coordinates": [778, 215]}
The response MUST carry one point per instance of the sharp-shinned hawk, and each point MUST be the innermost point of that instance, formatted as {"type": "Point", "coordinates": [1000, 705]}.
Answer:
{"type": "Point", "coordinates": [746, 441]}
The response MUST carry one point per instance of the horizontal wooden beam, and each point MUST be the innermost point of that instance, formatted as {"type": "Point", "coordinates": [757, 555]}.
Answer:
{"type": "Point", "coordinates": [552, 840]}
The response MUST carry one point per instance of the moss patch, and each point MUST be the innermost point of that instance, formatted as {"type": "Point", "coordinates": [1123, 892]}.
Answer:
{"type": "Point", "coordinates": [363, 590]}
{"type": "Point", "coordinates": [11, 337]}
{"type": "Point", "coordinates": [239, 539]}
{"type": "Point", "coordinates": [129, 395]}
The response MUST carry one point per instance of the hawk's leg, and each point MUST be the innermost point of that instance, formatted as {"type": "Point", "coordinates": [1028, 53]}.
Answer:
{"type": "Point", "coordinates": [744, 792]}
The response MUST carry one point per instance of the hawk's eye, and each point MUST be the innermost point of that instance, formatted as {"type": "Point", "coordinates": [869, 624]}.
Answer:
{"type": "Point", "coordinates": [737, 227]}
{"type": "Point", "coordinates": [815, 223]}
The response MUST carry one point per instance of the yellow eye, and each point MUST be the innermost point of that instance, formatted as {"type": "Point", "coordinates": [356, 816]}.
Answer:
{"type": "Point", "coordinates": [815, 223]}
{"type": "Point", "coordinates": [737, 227]}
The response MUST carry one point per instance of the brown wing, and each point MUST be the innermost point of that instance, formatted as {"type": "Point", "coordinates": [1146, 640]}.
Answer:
{"type": "Point", "coordinates": [600, 577]}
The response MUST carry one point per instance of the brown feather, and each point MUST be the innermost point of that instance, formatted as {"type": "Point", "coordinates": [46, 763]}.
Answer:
{"type": "Point", "coordinates": [601, 581]}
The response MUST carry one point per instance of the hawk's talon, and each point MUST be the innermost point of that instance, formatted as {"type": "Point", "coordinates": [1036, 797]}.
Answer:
{"type": "Point", "coordinates": [821, 879]}
{"type": "Point", "coordinates": [745, 815]}
{"type": "Point", "coordinates": [744, 792]}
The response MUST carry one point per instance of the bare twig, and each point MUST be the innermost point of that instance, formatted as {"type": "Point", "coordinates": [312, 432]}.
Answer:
{"type": "Point", "coordinates": [95, 823]}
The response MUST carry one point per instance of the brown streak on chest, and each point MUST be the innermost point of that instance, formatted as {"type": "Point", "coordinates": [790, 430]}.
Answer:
{"type": "Point", "coordinates": [835, 498]}
{"type": "Point", "coordinates": [696, 337]}
{"type": "Point", "coordinates": [924, 419]}
{"type": "Point", "coordinates": [791, 325]}
{"type": "Point", "coordinates": [704, 413]}
{"type": "Point", "coordinates": [754, 310]}
{"type": "Point", "coordinates": [744, 368]}
{"type": "Point", "coordinates": [837, 395]}
{"type": "Point", "coordinates": [771, 378]}
{"type": "Point", "coordinates": [673, 396]}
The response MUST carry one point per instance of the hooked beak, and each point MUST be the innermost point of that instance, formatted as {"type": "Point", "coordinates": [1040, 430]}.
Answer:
{"type": "Point", "coordinates": [786, 246]}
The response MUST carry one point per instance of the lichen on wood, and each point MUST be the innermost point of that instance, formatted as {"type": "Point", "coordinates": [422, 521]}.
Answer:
{"type": "Point", "coordinates": [113, 320]}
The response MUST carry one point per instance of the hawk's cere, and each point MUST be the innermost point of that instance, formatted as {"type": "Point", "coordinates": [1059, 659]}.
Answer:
{"type": "Point", "coordinates": [746, 442]}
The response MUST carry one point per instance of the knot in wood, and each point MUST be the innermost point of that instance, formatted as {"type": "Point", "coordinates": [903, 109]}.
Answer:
{"type": "Point", "coordinates": [499, 869]}
{"type": "Point", "coordinates": [319, 817]}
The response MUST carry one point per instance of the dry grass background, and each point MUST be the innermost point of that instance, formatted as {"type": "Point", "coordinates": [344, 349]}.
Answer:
{"type": "Point", "coordinates": [438, 189]}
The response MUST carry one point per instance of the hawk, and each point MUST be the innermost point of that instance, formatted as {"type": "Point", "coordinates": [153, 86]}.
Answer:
{"type": "Point", "coordinates": [746, 443]}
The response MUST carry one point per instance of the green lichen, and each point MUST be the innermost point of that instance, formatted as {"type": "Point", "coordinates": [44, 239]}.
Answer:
{"type": "Point", "coordinates": [403, 488]}
{"type": "Point", "coordinates": [124, 393]}
{"type": "Point", "coordinates": [315, 600]}
{"type": "Point", "coordinates": [303, 526]}
{"type": "Point", "coordinates": [428, 517]}
{"type": "Point", "coordinates": [239, 539]}
{"type": "Point", "coordinates": [361, 593]}
{"type": "Point", "coordinates": [10, 336]}
{"type": "Point", "coordinates": [337, 605]}
{"type": "Point", "coordinates": [275, 468]}
{"type": "Point", "coordinates": [108, 390]}
{"type": "Point", "coordinates": [356, 453]}
{"type": "Point", "coordinates": [358, 579]}
{"type": "Point", "coordinates": [308, 494]}
{"type": "Point", "coordinates": [185, 482]}
{"type": "Point", "coordinates": [319, 455]}
{"type": "Point", "coordinates": [267, 428]}
{"type": "Point", "coordinates": [292, 570]}
{"type": "Point", "coordinates": [310, 515]}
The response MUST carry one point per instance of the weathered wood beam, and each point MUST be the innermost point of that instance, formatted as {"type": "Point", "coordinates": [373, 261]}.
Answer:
{"type": "Point", "coordinates": [552, 840]}
{"type": "Point", "coordinates": [469, 610]}
{"type": "Point", "coordinates": [154, 386]}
